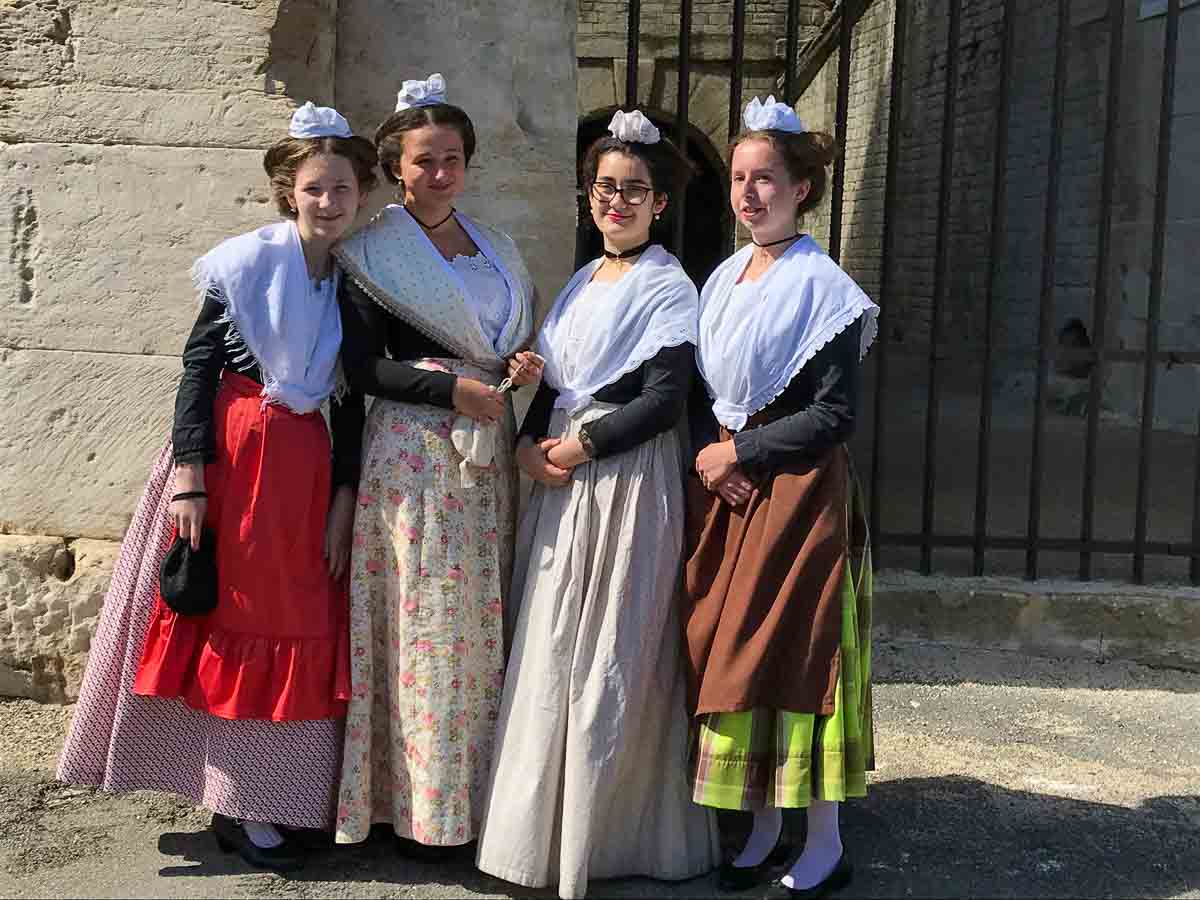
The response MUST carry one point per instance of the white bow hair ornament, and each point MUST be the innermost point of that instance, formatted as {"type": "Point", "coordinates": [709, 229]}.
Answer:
{"type": "Point", "coordinates": [311, 121]}
{"type": "Point", "coordinates": [633, 127]}
{"type": "Point", "coordinates": [416, 92]}
{"type": "Point", "coordinates": [771, 116]}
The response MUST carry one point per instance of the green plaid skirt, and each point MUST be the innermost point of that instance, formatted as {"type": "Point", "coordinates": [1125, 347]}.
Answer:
{"type": "Point", "coordinates": [771, 757]}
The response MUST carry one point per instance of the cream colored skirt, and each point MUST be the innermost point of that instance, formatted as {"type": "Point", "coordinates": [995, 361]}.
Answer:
{"type": "Point", "coordinates": [590, 774]}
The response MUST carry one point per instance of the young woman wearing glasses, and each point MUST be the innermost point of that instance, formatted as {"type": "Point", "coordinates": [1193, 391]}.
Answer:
{"type": "Point", "coordinates": [594, 694]}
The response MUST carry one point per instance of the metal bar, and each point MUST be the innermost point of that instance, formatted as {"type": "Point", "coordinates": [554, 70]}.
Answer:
{"type": "Point", "coordinates": [633, 41]}
{"type": "Point", "coordinates": [890, 202]}
{"type": "Point", "coordinates": [1150, 382]}
{"type": "Point", "coordinates": [737, 54]}
{"type": "Point", "coordinates": [1116, 44]}
{"type": "Point", "coordinates": [971, 350]}
{"type": "Point", "coordinates": [791, 50]}
{"type": "Point", "coordinates": [1194, 566]}
{"type": "Point", "coordinates": [983, 465]}
{"type": "Point", "coordinates": [1049, 259]}
{"type": "Point", "coordinates": [841, 116]}
{"type": "Point", "coordinates": [941, 275]}
{"type": "Point", "coordinates": [681, 112]}
{"type": "Point", "coordinates": [1015, 542]}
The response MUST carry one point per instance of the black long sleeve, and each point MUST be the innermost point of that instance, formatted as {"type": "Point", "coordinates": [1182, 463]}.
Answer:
{"type": "Point", "coordinates": [204, 356]}
{"type": "Point", "coordinates": [368, 334]}
{"type": "Point", "coordinates": [666, 379]}
{"type": "Point", "coordinates": [654, 395]}
{"type": "Point", "coordinates": [346, 420]}
{"type": "Point", "coordinates": [832, 378]}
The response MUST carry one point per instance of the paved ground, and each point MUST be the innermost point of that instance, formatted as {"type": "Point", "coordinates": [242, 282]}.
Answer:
{"type": "Point", "coordinates": [999, 775]}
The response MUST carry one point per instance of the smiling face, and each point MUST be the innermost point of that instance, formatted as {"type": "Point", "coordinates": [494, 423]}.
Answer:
{"type": "Point", "coordinates": [762, 192]}
{"type": "Point", "coordinates": [326, 197]}
{"type": "Point", "coordinates": [622, 223]}
{"type": "Point", "coordinates": [433, 166]}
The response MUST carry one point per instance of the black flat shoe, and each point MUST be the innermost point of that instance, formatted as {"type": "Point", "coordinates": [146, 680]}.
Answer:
{"type": "Point", "coordinates": [842, 875]}
{"type": "Point", "coordinates": [741, 878]}
{"type": "Point", "coordinates": [232, 838]}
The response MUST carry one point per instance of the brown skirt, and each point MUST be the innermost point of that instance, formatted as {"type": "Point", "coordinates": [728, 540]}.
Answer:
{"type": "Point", "coordinates": [762, 602]}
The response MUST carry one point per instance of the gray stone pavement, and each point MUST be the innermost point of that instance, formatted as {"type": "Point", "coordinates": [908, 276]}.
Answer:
{"type": "Point", "coordinates": [999, 775]}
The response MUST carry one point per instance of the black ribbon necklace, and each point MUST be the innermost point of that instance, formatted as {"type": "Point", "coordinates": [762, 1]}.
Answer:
{"type": "Point", "coordinates": [625, 254]}
{"type": "Point", "coordinates": [770, 243]}
{"type": "Point", "coordinates": [431, 227]}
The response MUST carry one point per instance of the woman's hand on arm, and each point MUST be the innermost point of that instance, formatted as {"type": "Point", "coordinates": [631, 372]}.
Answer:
{"type": "Point", "coordinates": [567, 454]}
{"type": "Point", "coordinates": [532, 457]}
{"type": "Point", "coordinates": [339, 528]}
{"type": "Point", "coordinates": [189, 514]}
{"type": "Point", "coordinates": [715, 463]}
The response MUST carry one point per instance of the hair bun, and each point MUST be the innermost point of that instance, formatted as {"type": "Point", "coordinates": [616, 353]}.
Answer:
{"type": "Point", "coordinates": [824, 147]}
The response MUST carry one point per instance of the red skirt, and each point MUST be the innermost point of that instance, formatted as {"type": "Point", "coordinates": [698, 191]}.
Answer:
{"type": "Point", "coordinates": [277, 645]}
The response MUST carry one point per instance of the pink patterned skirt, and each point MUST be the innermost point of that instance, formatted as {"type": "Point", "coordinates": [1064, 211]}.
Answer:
{"type": "Point", "coordinates": [281, 772]}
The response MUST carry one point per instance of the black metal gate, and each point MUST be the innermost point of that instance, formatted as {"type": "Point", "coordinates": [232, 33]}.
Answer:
{"type": "Point", "coordinates": [980, 539]}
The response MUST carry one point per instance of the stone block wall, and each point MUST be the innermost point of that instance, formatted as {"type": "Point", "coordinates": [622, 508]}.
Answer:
{"type": "Point", "coordinates": [131, 141]}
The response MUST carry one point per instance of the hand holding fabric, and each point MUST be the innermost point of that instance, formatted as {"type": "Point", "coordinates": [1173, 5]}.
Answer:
{"type": "Point", "coordinates": [477, 400]}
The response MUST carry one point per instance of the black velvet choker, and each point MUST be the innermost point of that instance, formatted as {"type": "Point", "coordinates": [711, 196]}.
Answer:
{"type": "Point", "coordinates": [431, 227]}
{"type": "Point", "coordinates": [625, 254]}
{"type": "Point", "coordinates": [773, 243]}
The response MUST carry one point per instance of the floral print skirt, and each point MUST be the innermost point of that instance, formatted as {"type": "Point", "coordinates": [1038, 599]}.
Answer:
{"type": "Point", "coordinates": [430, 566]}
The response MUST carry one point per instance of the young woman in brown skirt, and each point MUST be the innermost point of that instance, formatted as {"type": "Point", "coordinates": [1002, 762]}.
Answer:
{"type": "Point", "coordinates": [777, 604]}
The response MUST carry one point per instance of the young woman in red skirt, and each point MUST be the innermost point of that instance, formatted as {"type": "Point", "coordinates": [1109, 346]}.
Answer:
{"type": "Point", "coordinates": [241, 709]}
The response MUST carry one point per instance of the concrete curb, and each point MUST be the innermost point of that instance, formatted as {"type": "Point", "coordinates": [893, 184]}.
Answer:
{"type": "Point", "coordinates": [1155, 626]}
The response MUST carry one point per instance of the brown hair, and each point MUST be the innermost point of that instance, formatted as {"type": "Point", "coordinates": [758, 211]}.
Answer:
{"type": "Point", "coordinates": [389, 137]}
{"type": "Point", "coordinates": [806, 155]}
{"type": "Point", "coordinates": [669, 169]}
{"type": "Point", "coordinates": [284, 158]}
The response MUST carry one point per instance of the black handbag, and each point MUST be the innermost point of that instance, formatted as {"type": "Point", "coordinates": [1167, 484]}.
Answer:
{"type": "Point", "coordinates": [187, 578]}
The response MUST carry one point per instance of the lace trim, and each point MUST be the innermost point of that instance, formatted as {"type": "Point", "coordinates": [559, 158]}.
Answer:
{"type": "Point", "coordinates": [870, 331]}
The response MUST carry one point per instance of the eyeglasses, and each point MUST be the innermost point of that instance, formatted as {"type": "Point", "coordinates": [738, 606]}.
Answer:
{"type": "Point", "coordinates": [606, 192]}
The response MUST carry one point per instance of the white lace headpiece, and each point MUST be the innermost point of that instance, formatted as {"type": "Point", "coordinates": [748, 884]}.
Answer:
{"type": "Point", "coordinates": [311, 121]}
{"type": "Point", "coordinates": [771, 116]}
{"type": "Point", "coordinates": [633, 127]}
{"type": "Point", "coordinates": [416, 92]}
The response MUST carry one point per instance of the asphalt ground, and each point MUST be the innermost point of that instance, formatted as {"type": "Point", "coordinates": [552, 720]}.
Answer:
{"type": "Point", "coordinates": [999, 775]}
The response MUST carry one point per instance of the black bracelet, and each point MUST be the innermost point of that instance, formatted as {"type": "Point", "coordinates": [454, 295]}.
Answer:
{"type": "Point", "coordinates": [189, 495]}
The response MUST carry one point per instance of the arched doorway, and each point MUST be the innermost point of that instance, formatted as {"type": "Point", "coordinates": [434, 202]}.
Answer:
{"type": "Point", "coordinates": [707, 219]}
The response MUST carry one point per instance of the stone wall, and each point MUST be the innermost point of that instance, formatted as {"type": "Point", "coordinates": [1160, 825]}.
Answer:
{"type": "Point", "coordinates": [131, 139]}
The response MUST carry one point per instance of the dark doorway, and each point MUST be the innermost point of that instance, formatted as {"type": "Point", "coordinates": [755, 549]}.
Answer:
{"type": "Point", "coordinates": [708, 221]}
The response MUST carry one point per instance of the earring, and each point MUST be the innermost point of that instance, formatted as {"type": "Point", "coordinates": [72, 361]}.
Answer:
{"type": "Point", "coordinates": [657, 217]}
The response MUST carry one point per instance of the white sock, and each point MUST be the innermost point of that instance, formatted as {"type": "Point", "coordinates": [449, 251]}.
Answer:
{"type": "Point", "coordinates": [262, 834]}
{"type": "Point", "coordinates": [768, 823]}
{"type": "Point", "coordinates": [822, 847]}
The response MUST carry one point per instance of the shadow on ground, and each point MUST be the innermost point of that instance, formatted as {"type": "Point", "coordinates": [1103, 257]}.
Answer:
{"type": "Point", "coordinates": [927, 837]}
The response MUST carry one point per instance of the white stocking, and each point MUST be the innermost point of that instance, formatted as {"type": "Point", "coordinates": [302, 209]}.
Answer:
{"type": "Point", "coordinates": [768, 823]}
{"type": "Point", "coordinates": [822, 847]}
